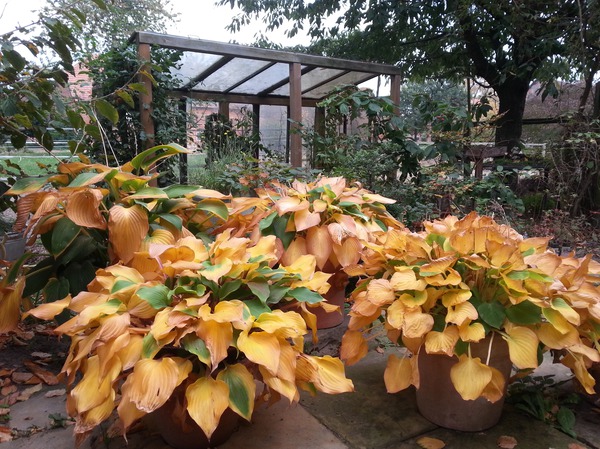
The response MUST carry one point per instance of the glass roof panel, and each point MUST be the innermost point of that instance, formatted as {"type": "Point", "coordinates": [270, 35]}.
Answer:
{"type": "Point", "coordinates": [310, 79]}
{"type": "Point", "coordinates": [193, 64]}
{"type": "Point", "coordinates": [348, 78]}
{"type": "Point", "coordinates": [230, 74]}
{"type": "Point", "coordinates": [266, 79]}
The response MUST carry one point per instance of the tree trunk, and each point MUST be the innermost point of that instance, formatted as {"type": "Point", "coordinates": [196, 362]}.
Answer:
{"type": "Point", "coordinates": [511, 95]}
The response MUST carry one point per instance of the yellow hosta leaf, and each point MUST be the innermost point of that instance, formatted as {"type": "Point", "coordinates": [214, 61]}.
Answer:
{"type": "Point", "coordinates": [326, 373]}
{"type": "Point", "coordinates": [131, 353]}
{"type": "Point", "coordinates": [296, 250]}
{"type": "Point", "coordinates": [591, 353]}
{"type": "Point", "coordinates": [354, 347]}
{"type": "Point", "coordinates": [395, 314]}
{"type": "Point", "coordinates": [49, 310]}
{"type": "Point", "coordinates": [555, 318]}
{"type": "Point", "coordinates": [217, 337]}
{"type": "Point", "coordinates": [437, 266]}
{"type": "Point", "coordinates": [290, 204]}
{"type": "Point", "coordinates": [577, 364]}
{"type": "Point", "coordinates": [456, 296]}
{"type": "Point", "coordinates": [83, 209]}
{"type": "Point", "coordinates": [207, 399]}
{"type": "Point", "coordinates": [282, 324]}
{"type": "Point", "coordinates": [242, 389]}
{"type": "Point", "coordinates": [380, 292]}
{"type": "Point", "coordinates": [304, 266]}
{"type": "Point", "coordinates": [471, 332]}
{"type": "Point", "coordinates": [399, 373]}
{"type": "Point", "coordinates": [225, 311]}
{"type": "Point", "coordinates": [127, 229]}
{"type": "Point", "coordinates": [522, 346]}
{"type": "Point", "coordinates": [462, 312]}
{"type": "Point", "coordinates": [10, 303]}
{"type": "Point", "coordinates": [553, 338]}
{"type": "Point", "coordinates": [153, 381]}
{"type": "Point", "coordinates": [470, 377]}
{"type": "Point", "coordinates": [128, 412]}
{"type": "Point", "coordinates": [442, 342]}
{"type": "Point", "coordinates": [452, 277]}
{"type": "Point", "coordinates": [348, 253]}
{"type": "Point", "coordinates": [494, 391]}
{"type": "Point", "coordinates": [86, 421]}
{"type": "Point", "coordinates": [261, 348]}
{"type": "Point", "coordinates": [94, 388]}
{"type": "Point", "coordinates": [284, 387]}
{"type": "Point", "coordinates": [417, 324]}
{"type": "Point", "coordinates": [319, 244]}
{"type": "Point", "coordinates": [304, 219]}
{"type": "Point", "coordinates": [561, 306]}
{"type": "Point", "coordinates": [406, 279]}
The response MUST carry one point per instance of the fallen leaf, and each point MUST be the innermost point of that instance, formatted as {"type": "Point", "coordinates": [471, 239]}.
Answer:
{"type": "Point", "coordinates": [27, 392]}
{"type": "Point", "coordinates": [507, 442]}
{"type": "Point", "coordinates": [6, 372]}
{"type": "Point", "coordinates": [576, 446]}
{"type": "Point", "coordinates": [5, 382]}
{"type": "Point", "coordinates": [379, 349]}
{"type": "Point", "coordinates": [41, 355]}
{"type": "Point", "coordinates": [430, 443]}
{"type": "Point", "coordinates": [34, 380]}
{"type": "Point", "coordinates": [5, 434]}
{"type": "Point", "coordinates": [25, 335]}
{"type": "Point", "coordinates": [4, 411]}
{"type": "Point", "coordinates": [20, 378]}
{"type": "Point", "coordinates": [55, 393]}
{"type": "Point", "coordinates": [10, 400]}
{"type": "Point", "coordinates": [45, 375]}
{"type": "Point", "coordinates": [5, 391]}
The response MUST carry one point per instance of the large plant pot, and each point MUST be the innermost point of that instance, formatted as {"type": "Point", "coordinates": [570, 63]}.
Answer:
{"type": "Point", "coordinates": [335, 296]}
{"type": "Point", "coordinates": [180, 431]}
{"type": "Point", "coordinates": [440, 403]}
{"type": "Point", "coordinates": [12, 246]}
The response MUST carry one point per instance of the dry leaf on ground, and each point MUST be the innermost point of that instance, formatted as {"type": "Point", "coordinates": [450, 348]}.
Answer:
{"type": "Point", "coordinates": [10, 389]}
{"type": "Point", "coordinates": [41, 355]}
{"type": "Point", "coordinates": [45, 375]}
{"type": "Point", "coordinates": [5, 434]}
{"type": "Point", "coordinates": [55, 393]}
{"type": "Point", "coordinates": [4, 411]}
{"type": "Point", "coordinates": [20, 378]}
{"type": "Point", "coordinates": [27, 392]}
{"type": "Point", "coordinates": [576, 446]}
{"type": "Point", "coordinates": [507, 442]}
{"type": "Point", "coordinates": [430, 443]}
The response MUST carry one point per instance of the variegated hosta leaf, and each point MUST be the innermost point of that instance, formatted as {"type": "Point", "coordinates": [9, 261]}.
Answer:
{"type": "Point", "coordinates": [470, 377]}
{"type": "Point", "coordinates": [557, 320]}
{"type": "Point", "coordinates": [83, 209]}
{"type": "Point", "coordinates": [522, 346]}
{"type": "Point", "coordinates": [127, 229]}
{"type": "Point", "coordinates": [561, 306]}
{"type": "Point", "coordinates": [242, 389]}
{"type": "Point", "coordinates": [261, 348]}
{"type": "Point", "coordinates": [325, 373]}
{"type": "Point", "coordinates": [442, 342]}
{"type": "Point", "coordinates": [399, 373]}
{"type": "Point", "coordinates": [153, 381]}
{"type": "Point", "coordinates": [207, 399]}
{"type": "Point", "coordinates": [217, 337]}
{"type": "Point", "coordinates": [354, 347]}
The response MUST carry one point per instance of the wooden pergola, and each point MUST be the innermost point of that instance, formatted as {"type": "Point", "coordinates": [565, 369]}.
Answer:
{"type": "Point", "coordinates": [231, 73]}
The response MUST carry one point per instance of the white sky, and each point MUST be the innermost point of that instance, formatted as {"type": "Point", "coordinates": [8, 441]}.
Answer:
{"type": "Point", "coordinates": [197, 18]}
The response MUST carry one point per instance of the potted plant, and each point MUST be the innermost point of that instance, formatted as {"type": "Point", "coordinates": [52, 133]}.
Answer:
{"type": "Point", "coordinates": [194, 328]}
{"type": "Point", "coordinates": [463, 293]}
{"type": "Point", "coordinates": [326, 218]}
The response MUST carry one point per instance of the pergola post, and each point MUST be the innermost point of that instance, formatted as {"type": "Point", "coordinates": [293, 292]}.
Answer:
{"type": "Point", "coordinates": [319, 130]}
{"type": "Point", "coordinates": [295, 114]}
{"type": "Point", "coordinates": [224, 110]}
{"type": "Point", "coordinates": [146, 98]}
{"type": "Point", "coordinates": [395, 92]}
{"type": "Point", "coordinates": [183, 157]}
{"type": "Point", "coordinates": [255, 130]}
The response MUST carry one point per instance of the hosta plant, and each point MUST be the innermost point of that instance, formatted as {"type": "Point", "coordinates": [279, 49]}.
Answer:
{"type": "Point", "coordinates": [202, 319]}
{"type": "Point", "coordinates": [90, 215]}
{"type": "Point", "coordinates": [327, 218]}
{"type": "Point", "coordinates": [464, 279]}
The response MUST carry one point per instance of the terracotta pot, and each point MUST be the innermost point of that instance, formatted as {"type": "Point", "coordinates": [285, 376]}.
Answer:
{"type": "Point", "coordinates": [336, 296]}
{"type": "Point", "coordinates": [180, 431]}
{"type": "Point", "coordinates": [440, 403]}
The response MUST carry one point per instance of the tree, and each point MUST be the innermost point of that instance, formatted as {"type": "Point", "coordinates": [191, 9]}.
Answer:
{"type": "Point", "coordinates": [507, 44]}
{"type": "Point", "coordinates": [100, 29]}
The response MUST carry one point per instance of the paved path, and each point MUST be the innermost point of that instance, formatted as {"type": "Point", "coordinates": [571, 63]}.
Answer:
{"type": "Point", "coordinates": [367, 419]}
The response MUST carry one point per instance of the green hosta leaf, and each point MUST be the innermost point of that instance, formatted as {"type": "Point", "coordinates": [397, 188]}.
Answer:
{"type": "Point", "coordinates": [38, 276]}
{"type": "Point", "coordinates": [157, 296]}
{"type": "Point", "coordinates": [63, 233]}
{"type": "Point", "coordinates": [83, 179]}
{"type": "Point", "coordinates": [260, 288]}
{"type": "Point", "coordinates": [195, 345]}
{"type": "Point", "coordinates": [149, 346]}
{"type": "Point", "coordinates": [56, 289]}
{"type": "Point", "coordinates": [303, 294]}
{"type": "Point", "coordinates": [174, 220]}
{"type": "Point", "coordinates": [279, 226]}
{"type": "Point", "coordinates": [27, 185]}
{"type": "Point", "coordinates": [177, 190]}
{"type": "Point", "coordinates": [493, 313]}
{"type": "Point", "coordinates": [149, 192]}
{"type": "Point", "coordinates": [107, 110]}
{"type": "Point", "coordinates": [149, 157]}
{"type": "Point", "coordinates": [120, 285]}
{"type": "Point", "coordinates": [241, 389]}
{"type": "Point", "coordinates": [229, 288]}
{"type": "Point", "coordinates": [79, 275]}
{"type": "Point", "coordinates": [257, 307]}
{"type": "Point", "coordinates": [524, 313]}
{"type": "Point", "coordinates": [518, 275]}
{"type": "Point", "coordinates": [214, 206]}
{"type": "Point", "coordinates": [266, 222]}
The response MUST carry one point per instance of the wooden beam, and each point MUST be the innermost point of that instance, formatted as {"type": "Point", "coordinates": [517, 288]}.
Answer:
{"type": "Point", "coordinates": [243, 51]}
{"type": "Point", "coordinates": [241, 99]}
{"type": "Point", "coordinates": [295, 114]}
